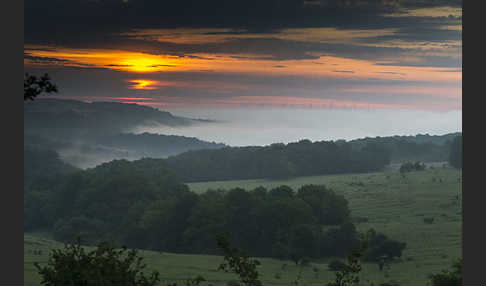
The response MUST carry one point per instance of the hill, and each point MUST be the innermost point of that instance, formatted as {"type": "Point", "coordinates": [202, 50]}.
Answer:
{"type": "Point", "coordinates": [66, 118]}
{"type": "Point", "coordinates": [385, 201]}
{"type": "Point", "coordinates": [88, 134]}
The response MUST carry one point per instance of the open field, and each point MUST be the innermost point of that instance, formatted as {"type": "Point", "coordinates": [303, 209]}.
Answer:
{"type": "Point", "coordinates": [392, 204]}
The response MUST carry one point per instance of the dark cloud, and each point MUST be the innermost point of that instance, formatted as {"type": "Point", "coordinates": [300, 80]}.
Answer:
{"type": "Point", "coordinates": [44, 59]}
{"type": "Point", "coordinates": [66, 21]}
{"type": "Point", "coordinates": [98, 24]}
{"type": "Point", "coordinates": [52, 60]}
{"type": "Point", "coordinates": [113, 65]}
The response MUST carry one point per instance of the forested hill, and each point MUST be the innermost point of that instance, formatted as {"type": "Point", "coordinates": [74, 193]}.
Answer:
{"type": "Point", "coordinates": [96, 150]}
{"type": "Point", "coordinates": [67, 118]}
{"type": "Point", "coordinates": [306, 158]}
{"type": "Point", "coordinates": [303, 158]}
{"type": "Point", "coordinates": [88, 134]}
{"type": "Point", "coordinates": [421, 147]}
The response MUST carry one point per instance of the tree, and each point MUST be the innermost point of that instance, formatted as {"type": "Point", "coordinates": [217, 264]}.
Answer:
{"type": "Point", "coordinates": [34, 86]}
{"type": "Point", "coordinates": [409, 167]}
{"type": "Point", "coordinates": [105, 265]}
{"type": "Point", "coordinates": [238, 262]}
{"type": "Point", "coordinates": [381, 246]}
{"type": "Point", "coordinates": [349, 275]}
{"type": "Point", "coordinates": [328, 207]}
{"type": "Point", "coordinates": [448, 277]}
{"type": "Point", "coordinates": [338, 241]}
{"type": "Point", "coordinates": [303, 242]}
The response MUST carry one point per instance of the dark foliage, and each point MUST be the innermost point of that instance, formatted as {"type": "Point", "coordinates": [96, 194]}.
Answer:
{"type": "Point", "coordinates": [424, 148]}
{"type": "Point", "coordinates": [44, 172]}
{"type": "Point", "coordinates": [33, 86]}
{"type": "Point", "coordinates": [349, 275]}
{"type": "Point", "coordinates": [141, 204]}
{"type": "Point", "coordinates": [237, 261]}
{"type": "Point", "coordinates": [381, 247]}
{"type": "Point", "coordinates": [410, 167]}
{"type": "Point", "coordinates": [105, 265]}
{"type": "Point", "coordinates": [43, 168]}
{"type": "Point", "coordinates": [277, 161]}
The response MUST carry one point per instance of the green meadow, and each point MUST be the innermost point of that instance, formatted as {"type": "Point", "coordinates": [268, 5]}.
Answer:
{"type": "Point", "coordinates": [399, 206]}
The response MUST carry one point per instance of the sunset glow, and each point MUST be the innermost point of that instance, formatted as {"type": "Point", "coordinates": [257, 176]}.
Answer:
{"type": "Point", "coordinates": [324, 66]}
{"type": "Point", "coordinates": [409, 57]}
{"type": "Point", "coordinates": [109, 59]}
{"type": "Point", "coordinates": [143, 84]}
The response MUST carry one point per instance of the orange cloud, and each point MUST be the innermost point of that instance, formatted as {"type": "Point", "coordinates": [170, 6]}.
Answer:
{"type": "Point", "coordinates": [143, 84]}
{"type": "Point", "coordinates": [324, 67]}
{"type": "Point", "coordinates": [109, 59]}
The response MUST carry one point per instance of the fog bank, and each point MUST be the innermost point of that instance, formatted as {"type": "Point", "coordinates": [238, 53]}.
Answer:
{"type": "Point", "coordinates": [263, 126]}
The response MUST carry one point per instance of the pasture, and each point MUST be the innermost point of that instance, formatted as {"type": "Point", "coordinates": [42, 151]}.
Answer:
{"type": "Point", "coordinates": [420, 209]}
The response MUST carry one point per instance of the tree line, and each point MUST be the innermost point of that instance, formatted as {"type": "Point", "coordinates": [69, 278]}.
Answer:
{"type": "Point", "coordinates": [143, 205]}
{"type": "Point", "coordinates": [277, 161]}
{"type": "Point", "coordinates": [424, 148]}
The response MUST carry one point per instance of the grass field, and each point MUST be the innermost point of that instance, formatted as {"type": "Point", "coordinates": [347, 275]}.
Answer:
{"type": "Point", "coordinates": [392, 204]}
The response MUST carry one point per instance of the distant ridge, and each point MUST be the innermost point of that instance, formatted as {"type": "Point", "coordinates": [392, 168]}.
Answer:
{"type": "Point", "coordinates": [88, 134]}
{"type": "Point", "coordinates": [111, 117]}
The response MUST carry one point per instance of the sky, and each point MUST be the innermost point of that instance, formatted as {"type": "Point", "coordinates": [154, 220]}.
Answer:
{"type": "Point", "coordinates": [338, 60]}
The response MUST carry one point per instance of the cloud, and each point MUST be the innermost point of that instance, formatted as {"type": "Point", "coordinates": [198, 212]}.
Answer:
{"type": "Point", "coordinates": [42, 18]}
{"type": "Point", "coordinates": [44, 59]}
{"type": "Point", "coordinates": [275, 30]}
{"type": "Point", "coordinates": [201, 50]}
{"type": "Point", "coordinates": [344, 71]}
{"type": "Point", "coordinates": [114, 65]}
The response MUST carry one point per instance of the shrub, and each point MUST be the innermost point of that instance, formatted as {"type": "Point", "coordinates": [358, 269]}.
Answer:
{"type": "Point", "coordinates": [105, 265]}
{"type": "Point", "coordinates": [380, 246]}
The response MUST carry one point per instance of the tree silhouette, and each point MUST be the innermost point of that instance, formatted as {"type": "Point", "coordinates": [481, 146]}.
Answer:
{"type": "Point", "coordinates": [106, 265]}
{"type": "Point", "coordinates": [33, 86]}
{"type": "Point", "coordinates": [237, 261]}
{"type": "Point", "coordinates": [349, 275]}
